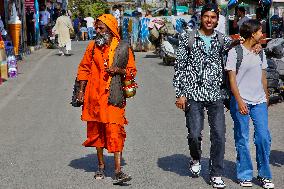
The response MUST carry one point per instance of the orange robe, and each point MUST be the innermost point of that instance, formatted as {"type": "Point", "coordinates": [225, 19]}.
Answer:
{"type": "Point", "coordinates": [96, 107]}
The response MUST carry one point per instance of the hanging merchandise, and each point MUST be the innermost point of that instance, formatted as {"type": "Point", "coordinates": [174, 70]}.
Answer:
{"type": "Point", "coordinates": [2, 50]}
{"type": "Point", "coordinates": [3, 63]}
{"type": "Point", "coordinates": [4, 70]}
{"type": "Point", "coordinates": [12, 66]}
{"type": "Point", "coordinates": [233, 3]}
{"type": "Point", "coordinates": [37, 33]}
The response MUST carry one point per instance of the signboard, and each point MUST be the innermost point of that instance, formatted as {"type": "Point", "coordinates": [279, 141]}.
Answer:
{"type": "Point", "coordinates": [30, 3]}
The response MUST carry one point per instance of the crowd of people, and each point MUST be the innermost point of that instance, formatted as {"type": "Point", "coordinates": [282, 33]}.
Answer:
{"type": "Point", "coordinates": [198, 82]}
{"type": "Point", "coordinates": [199, 85]}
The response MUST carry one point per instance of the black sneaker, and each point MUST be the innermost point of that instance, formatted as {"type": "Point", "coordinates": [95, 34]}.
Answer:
{"type": "Point", "coordinates": [265, 183]}
{"type": "Point", "coordinates": [121, 177]}
{"type": "Point", "coordinates": [195, 168]}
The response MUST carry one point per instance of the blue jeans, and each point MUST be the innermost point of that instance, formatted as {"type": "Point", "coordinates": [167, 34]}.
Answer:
{"type": "Point", "coordinates": [262, 140]}
{"type": "Point", "coordinates": [90, 32]}
{"type": "Point", "coordinates": [195, 123]}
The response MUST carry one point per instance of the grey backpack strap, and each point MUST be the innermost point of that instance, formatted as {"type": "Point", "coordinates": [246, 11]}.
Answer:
{"type": "Point", "coordinates": [220, 39]}
{"type": "Point", "coordinates": [240, 55]}
{"type": "Point", "coordinates": [191, 39]}
{"type": "Point", "coordinates": [261, 55]}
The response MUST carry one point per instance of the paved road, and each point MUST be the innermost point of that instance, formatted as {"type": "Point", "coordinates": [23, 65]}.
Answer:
{"type": "Point", "coordinates": [41, 134]}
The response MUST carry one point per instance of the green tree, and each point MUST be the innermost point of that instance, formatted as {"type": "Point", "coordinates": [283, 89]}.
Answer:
{"type": "Point", "coordinates": [83, 7]}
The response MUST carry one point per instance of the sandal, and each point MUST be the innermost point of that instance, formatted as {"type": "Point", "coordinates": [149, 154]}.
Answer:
{"type": "Point", "coordinates": [100, 174]}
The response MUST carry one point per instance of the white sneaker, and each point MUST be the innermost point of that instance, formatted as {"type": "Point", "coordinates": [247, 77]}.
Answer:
{"type": "Point", "coordinates": [195, 168]}
{"type": "Point", "coordinates": [246, 183]}
{"type": "Point", "coordinates": [265, 183]}
{"type": "Point", "coordinates": [61, 53]}
{"type": "Point", "coordinates": [217, 182]}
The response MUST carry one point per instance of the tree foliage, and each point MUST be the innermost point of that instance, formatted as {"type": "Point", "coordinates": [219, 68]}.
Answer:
{"type": "Point", "coordinates": [83, 7]}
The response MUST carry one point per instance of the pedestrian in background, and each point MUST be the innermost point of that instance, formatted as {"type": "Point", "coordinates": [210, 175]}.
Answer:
{"type": "Point", "coordinates": [44, 21]}
{"type": "Point", "coordinates": [90, 26]}
{"type": "Point", "coordinates": [84, 30]}
{"type": "Point", "coordinates": [105, 120]}
{"type": "Point", "coordinates": [30, 23]}
{"type": "Point", "coordinates": [250, 100]}
{"type": "Point", "coordinates": [62, 28]}
{"type": "Point", "coordinates": [240, 18]}
{"type": "Point", "coordinates": [76, 26]}
{"type": "Point", "coordinates": [118, 14]}
{"type": "Point", "coordinates": [197, 81]}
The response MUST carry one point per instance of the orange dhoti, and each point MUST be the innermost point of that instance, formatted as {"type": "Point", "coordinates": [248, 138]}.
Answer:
{"type": "Point", "coordinates": [105, 135]}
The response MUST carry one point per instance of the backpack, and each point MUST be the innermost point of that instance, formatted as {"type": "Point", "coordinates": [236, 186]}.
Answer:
{"type": "Point", "coordinates": [227, 88]}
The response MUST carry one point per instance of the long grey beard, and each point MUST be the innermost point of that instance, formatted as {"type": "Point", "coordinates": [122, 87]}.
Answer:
{"type": "Point", "coordinates": [102, 40]}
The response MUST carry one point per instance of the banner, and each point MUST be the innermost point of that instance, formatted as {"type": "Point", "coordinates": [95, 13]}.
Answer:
{"type": "Point", "coordinates": [30, 3]}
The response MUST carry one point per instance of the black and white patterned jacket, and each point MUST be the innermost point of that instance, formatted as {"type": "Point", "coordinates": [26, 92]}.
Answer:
{"type": "Point", "coordinates": [198, 75]}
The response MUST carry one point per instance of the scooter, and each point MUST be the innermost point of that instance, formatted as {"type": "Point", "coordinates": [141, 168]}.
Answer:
{"type": "Point", "coordinates": [170, 44]}
{"type": "Point", "coordinates": [275, 70]}
{"type": "Point", "coordinates": [52, 41]}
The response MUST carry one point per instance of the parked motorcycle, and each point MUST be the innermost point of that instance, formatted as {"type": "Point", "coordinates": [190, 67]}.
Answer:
{"type": "Point", "coordinates": [170, 44]}
{"type": "Point", "coordinates": [51, 42]}
{"type": "Point", "coordinates": [275, 70]}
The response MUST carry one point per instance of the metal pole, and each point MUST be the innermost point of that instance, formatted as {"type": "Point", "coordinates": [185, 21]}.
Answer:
{"type": "Point", "coordinates": [175, 7]}
{"type": "Point", "coordinates": [6, 6]}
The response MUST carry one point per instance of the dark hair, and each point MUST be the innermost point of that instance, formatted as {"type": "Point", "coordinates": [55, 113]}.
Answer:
{"type": "Point", "coordinates": [210, 7]}
{"type": "Point", "coordinates": [114, 7]}
{"type": "Point", "coordinates": [83, 23]}
{"type": "Point", "coordinates": [63, 12]}
{"type": "Point", "coordinates": [242, 9]}
{"type": "Point", "coordinates": [249, 27]}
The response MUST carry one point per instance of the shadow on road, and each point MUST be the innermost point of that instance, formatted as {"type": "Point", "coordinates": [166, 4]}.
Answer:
{"type": "Point", "coordinates": [178, 163]}
{"type": "Point", "coordinates": [66, 55]}
{"type": "Point", "coordinates": [151, 56]}
{"type": "Point", "coordinates": [89, 163]}
{"type": "Point", "coordinates": [163, 64]}
{"type": "Point", "coordinates": [276, 158]}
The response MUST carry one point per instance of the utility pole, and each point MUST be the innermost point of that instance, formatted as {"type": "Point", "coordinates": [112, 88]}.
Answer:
{"type": "Point", "coordinates": [175, 7]}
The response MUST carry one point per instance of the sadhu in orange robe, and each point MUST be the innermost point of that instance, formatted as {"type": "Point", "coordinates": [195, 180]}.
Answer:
{"type": "Point", "coordinates": [105, 123]}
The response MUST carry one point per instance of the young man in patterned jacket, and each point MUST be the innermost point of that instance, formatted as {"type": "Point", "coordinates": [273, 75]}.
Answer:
{"type": "Point", "coordinates": [197, 81]}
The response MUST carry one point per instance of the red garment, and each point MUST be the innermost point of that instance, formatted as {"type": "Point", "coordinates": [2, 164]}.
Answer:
{"type": "Point", "coordinates": [110, 136]}
{"type": "Point", "coordinates": [96, 107]}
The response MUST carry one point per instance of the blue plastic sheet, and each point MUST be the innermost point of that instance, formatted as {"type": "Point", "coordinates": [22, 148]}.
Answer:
{"type": "Point", "coordinates": [144, 30]}
{"type": "Point", "coordinates": [135, 30]}
{"type": "Point", "coordinates": [37, 34]}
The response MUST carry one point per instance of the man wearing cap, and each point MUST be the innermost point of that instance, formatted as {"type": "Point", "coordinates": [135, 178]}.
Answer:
{"type": "Point", "coordinates": [105, 121]}
{"type": "Point", "coordinates": [197, 81]}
